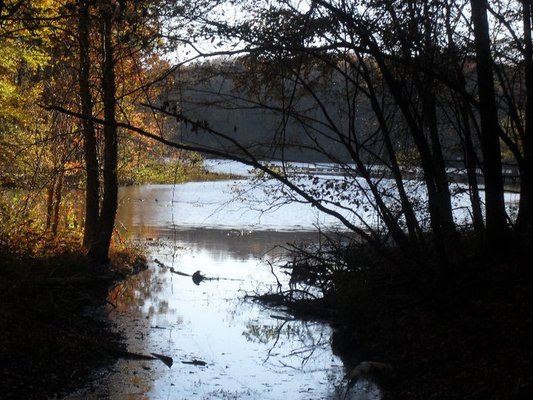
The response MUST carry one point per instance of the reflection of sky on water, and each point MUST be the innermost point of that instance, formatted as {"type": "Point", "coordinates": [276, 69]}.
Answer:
{"type": "Point", "coordinates": [242, 206]}
{"type": "Point", "coordinates": [212, 205]}
{"type": "Point", "coordinates": [251, 352]}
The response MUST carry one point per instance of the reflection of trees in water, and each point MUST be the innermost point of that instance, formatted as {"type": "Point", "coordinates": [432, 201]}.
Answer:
{"type": "Point", "coordinates": [219, 243]}
{"type": "Point", "coordinates": [140, 294]}
{"type": "Point", "coordinates": [162, 308]}
{"type": "Point", "coordinates": [261, 333]}
{"type": "Point", "coordinates": [290, 341]}
{"type": "Point", "coordinates": [131, 294]}
{"type": "Point", "coordinates": [297, 345]}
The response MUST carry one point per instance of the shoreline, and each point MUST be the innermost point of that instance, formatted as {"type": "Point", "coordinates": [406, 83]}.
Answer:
{"type": "Point", "coordinates": [467, 339]}
{"type": "Point", "coordinates": [51, 340]}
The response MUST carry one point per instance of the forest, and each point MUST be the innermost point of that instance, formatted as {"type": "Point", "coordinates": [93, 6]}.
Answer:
{"type": "Point", "coordinates": [424, 107]}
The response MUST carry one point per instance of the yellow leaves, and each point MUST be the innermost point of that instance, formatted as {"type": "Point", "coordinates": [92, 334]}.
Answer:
{"type": "Point", "coordinates": [9, 99]}
{"type": "Point", "coordinates": [46, 5]}
{"type": "Point", "coordinates": [17, 97]}
{"type": "Point", "coordinates": [73, 167]}
{"type": "Point", "coordinates": [8, 57]}
{"type": "Point", "coordinates": [8, 92]}
{"type": "Point", "coordinates": [35, 58]}
{"type": "Point", "coordinates": [17, 56]}
{"type": "Point", "coordinates": [25, 40]}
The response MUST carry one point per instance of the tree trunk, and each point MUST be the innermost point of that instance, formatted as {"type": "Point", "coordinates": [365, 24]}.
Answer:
{"type": "Point", "coordinates": [49, 204]}
{"type": "Point", "coordinates": [92, 195]}
{"type": "Point", "coordinates": [58, 196]}
{"type": "Point", "coordinates": [416, 239]}
{"type": "Point", "coordinates": [525, 215]}
{"type": "Point", "coordinates": [471, 164]}
{"type": "Point", "coordinates": [452, 246]}
{"type": "Point", "coordinates": [496, 225]}
{"type": "Point", "coordinates": [100, 249]}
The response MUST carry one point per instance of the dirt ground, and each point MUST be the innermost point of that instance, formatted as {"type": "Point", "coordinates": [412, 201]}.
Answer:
{"type": "Point", "coordinates": [49, 342]}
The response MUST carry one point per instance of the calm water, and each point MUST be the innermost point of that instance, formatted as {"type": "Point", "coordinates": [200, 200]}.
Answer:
{"type": "Point", "coordinates": [223, 347]}
{"type": "Point", "coordinates": [249, 351]}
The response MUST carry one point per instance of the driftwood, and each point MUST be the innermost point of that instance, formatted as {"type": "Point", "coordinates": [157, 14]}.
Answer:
{"type": "Point", "coordinates": [282, 318]}
{"type": "Point", "coordinates": [198, 363]}
{"type": "Point", "coordinates": [197, 277]}
{"type": "Point", "coordinates": [171, 269]}
{"type": "Point", "coordinates": [168, 361]}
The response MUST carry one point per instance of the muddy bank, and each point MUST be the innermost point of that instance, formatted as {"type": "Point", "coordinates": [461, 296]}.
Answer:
{"type": "Point", "coordinates": [51, 339]}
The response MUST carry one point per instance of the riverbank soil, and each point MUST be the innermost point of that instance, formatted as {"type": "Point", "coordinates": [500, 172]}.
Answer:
{"type": "Point", "coordinates": [49, 342]}
{"type": "Point", "coordinates": [468, 338]}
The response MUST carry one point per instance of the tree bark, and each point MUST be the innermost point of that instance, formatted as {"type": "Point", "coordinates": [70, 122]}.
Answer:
{"type": "Point", "coordinates": [452, 246]}
{"type": "Point", "coordinates": [49, 204]}
{"type": "Point", "coordinates": [525, 215]}
{"type": "Point", "coordinates": [100, 249]}
{"type": "Point", "coordinates": [92, 194]}
{"type": "Point", "coordinates": [58, 196]}
{"type": "Point", "coordinates": [471, 164]}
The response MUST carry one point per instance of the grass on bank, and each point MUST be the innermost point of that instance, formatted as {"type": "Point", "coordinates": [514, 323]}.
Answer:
{"type": "Point", "coordinates": [177, 171]}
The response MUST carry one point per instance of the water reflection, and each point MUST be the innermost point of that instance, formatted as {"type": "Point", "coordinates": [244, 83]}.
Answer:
{"type": "Point", "coordinates": [290, 343]}
{"type": "Point", "coordinates": [223, 347]}
{"type": "Point", "coordinates": [213, 205]}
{"type": "Point", "coordinates": [140, 295]}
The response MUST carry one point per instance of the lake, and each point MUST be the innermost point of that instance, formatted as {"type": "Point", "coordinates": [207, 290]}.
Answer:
{"type": "Point", "coordinates": [223, 345]}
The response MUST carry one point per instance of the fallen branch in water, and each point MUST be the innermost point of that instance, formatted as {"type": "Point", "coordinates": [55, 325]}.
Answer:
{"type": "Point", "coordinates": [298, 307]}
{"type": "Point", "coordinates": [282, 318]}
{"type": "Point", "coordinates": [197, 277]}
{"type": "Point", "coordinates": [168, 361]}
{"type": "Point", "coordinates": [171, 269]}
{"type": "Point", "coordinates": [198, 363]}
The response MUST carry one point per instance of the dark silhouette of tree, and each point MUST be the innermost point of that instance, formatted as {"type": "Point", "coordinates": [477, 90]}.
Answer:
{"type": "Point", "coordinates": [395, 93]}
{"type": "Point", "coordinates": [412, 63]}
{"type": "Point", "coordinates": [111, 39]}
{"type": "Point", "coordinates": [525, 216]}
{"type": "Point", "coordinates": [98, 250]}
{"type": "Point", "coordinates": [496, 224]}
{"type": "Point", "coordinates": [92, 194]}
